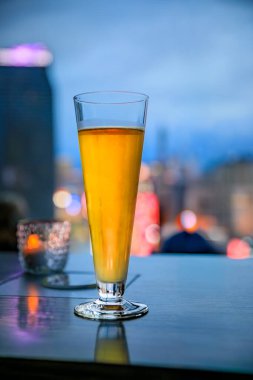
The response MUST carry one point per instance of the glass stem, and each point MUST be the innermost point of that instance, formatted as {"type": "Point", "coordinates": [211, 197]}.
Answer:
{"type": "Point", "coordinates": [110, 292]}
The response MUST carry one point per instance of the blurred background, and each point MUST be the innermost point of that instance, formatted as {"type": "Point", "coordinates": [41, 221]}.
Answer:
{"type": "Point", "coordinates": [195, 61]}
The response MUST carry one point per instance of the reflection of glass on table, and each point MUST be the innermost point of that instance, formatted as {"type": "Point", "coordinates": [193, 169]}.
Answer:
{"type": "Point", "coordinates": [111, 343]}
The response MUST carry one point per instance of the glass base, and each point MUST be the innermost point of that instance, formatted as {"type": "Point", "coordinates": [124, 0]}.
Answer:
{"type": "Point", "coordinates": [98, 309]}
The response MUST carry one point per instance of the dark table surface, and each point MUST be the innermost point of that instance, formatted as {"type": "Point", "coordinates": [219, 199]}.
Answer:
{"type": "Point", "coordinates": [199, 324]}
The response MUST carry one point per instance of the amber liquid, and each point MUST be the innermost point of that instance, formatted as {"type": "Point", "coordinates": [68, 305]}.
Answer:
{"type": "Point", "coordinates": [111, 159]}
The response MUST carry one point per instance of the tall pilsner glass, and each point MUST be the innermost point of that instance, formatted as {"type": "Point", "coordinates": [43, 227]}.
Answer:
{"type": "Point", "coordinates": [111, 128]}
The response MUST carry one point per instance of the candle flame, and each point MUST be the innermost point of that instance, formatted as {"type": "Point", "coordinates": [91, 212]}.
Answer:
{"type": "Point", "coordinates": [33, 242]}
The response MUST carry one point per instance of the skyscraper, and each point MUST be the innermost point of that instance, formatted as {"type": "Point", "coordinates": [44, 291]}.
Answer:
{"type": "Point", "coordinates": [26, 131]}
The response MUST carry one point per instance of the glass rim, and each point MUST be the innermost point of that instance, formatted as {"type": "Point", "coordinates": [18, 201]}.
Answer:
{"type": "Point", "coordinates": [143, 97]}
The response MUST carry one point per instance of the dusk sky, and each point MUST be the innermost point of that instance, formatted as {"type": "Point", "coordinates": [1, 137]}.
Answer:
{"type": "Point", "coordinates": [193, 58]}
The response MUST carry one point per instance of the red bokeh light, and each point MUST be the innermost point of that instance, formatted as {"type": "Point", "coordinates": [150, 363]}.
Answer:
{"type": "Point", "coordinates": [146, 231]}
{"type": "Point", "coordinates": [238, 249]}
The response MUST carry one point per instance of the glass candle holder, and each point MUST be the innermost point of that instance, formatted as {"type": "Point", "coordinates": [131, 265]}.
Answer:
{"type": "Point", "coordinates": [43, 245]}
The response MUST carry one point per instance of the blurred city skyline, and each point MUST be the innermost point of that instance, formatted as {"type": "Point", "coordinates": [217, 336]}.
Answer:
{"type": "Point", "coordinates": [194, 59]}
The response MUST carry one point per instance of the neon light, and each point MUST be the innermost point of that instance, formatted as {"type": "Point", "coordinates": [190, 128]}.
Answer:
{"type": "Point", "coordinates": [27, 55]}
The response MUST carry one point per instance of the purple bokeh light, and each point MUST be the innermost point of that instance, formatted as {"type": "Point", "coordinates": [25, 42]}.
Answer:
{"type": "Point", "coordinates": [26, 55]}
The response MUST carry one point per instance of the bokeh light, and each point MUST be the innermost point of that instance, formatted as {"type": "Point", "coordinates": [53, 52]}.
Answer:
{"type": "Point", "coordinates": [145, 172]}
{"type": "Point", "coordinates": [188, 221]}
{"type": "Point", "coordinates": [152, 234]}
{"type": "Point", "coordinates": [26, 55]}
{"type": "Point", "coordinates": [62, 198]}
{"type": "Point", "coordinates": [238, 249]}
{"type": "Point", "coordinates": [75, 206]}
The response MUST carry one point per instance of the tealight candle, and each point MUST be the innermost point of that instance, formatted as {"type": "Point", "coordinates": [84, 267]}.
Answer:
{"type": "Point", "coordinates": [43, 245]}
